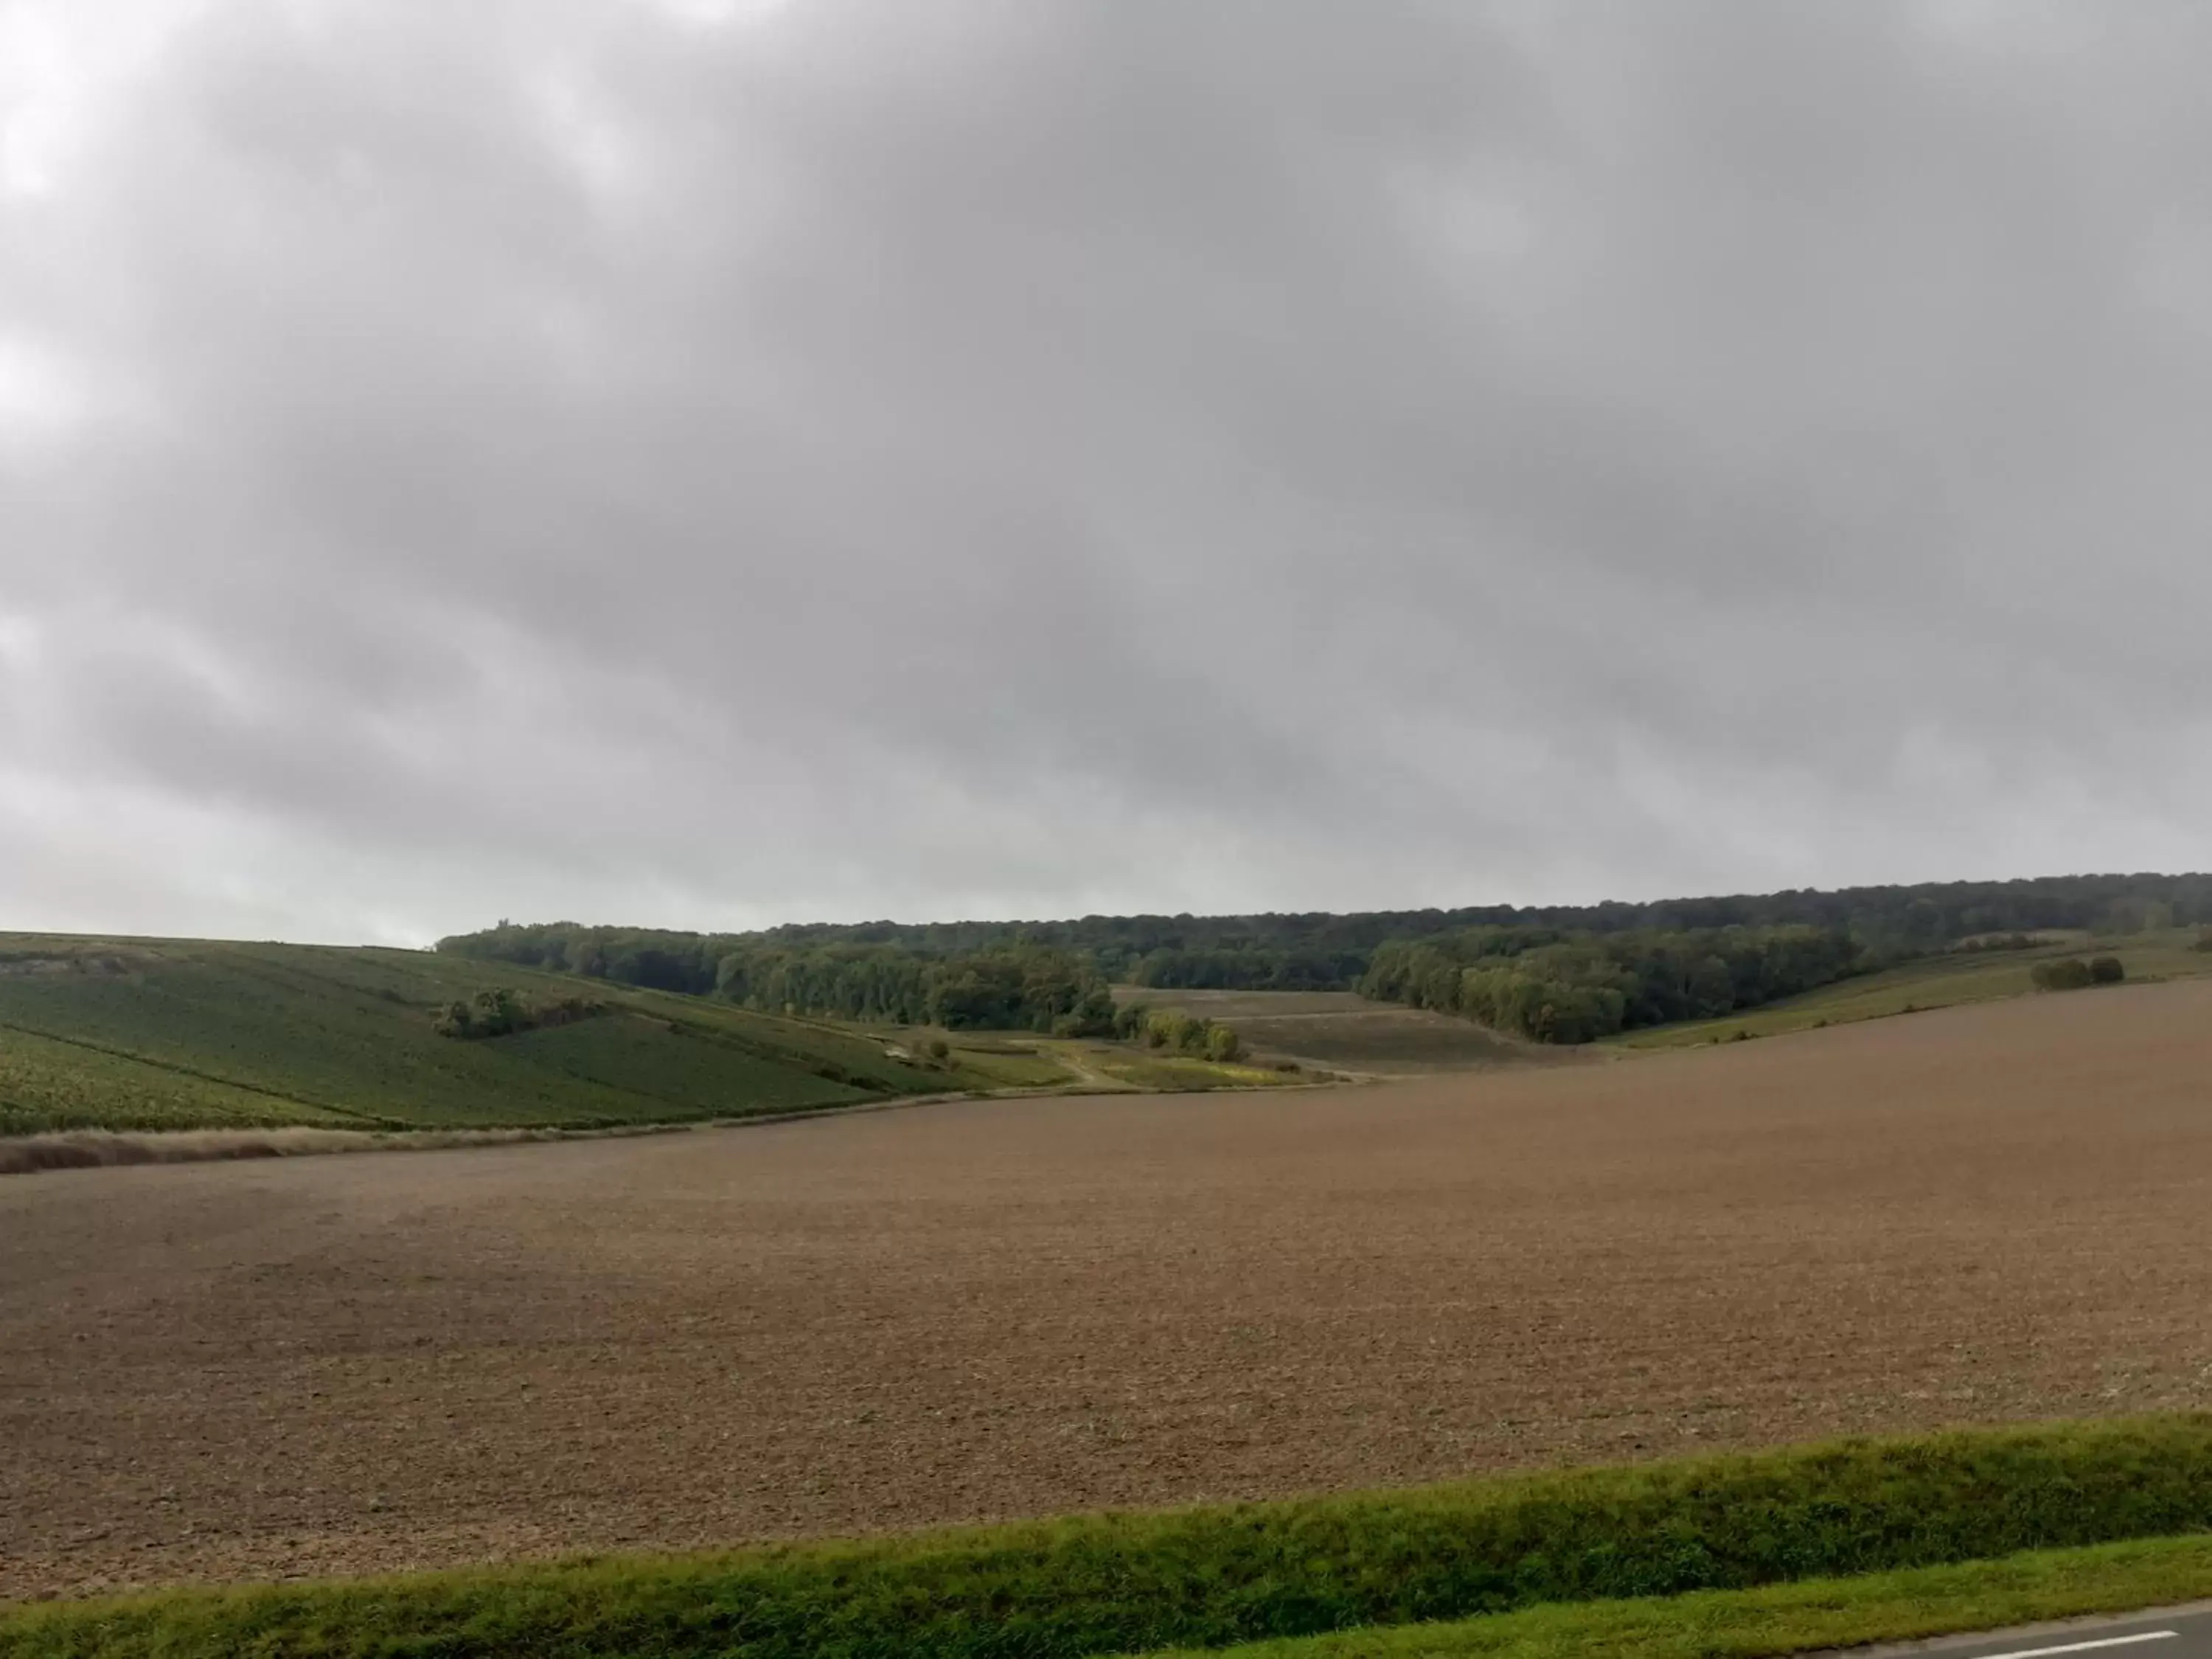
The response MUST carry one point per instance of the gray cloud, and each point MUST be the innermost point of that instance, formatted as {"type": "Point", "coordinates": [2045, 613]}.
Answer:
{"type": "Point", "coordinates": [842, 458]}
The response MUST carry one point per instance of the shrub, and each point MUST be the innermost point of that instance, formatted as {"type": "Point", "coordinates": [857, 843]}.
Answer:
{"type": "Point", "coordinates": [488, 1014]}
{"type": "Point", "coordinates": [1180, 1033]}
{"type": "Point", "coordinates": [2066, 974]}
{"type": "Point", "coordinates": [2106, 970]}
{"type": "Point", "coordinates": [503, 1011]}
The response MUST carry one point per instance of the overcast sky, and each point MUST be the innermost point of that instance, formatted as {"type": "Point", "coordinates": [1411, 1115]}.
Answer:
{"type": "Point", "coordinates": [715, 463]}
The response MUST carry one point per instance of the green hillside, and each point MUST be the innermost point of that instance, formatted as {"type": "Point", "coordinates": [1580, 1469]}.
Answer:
{"type": "Point", "coordinates": [142, 1034]}
{"type": "Point", "coordinates": [1938, 982]}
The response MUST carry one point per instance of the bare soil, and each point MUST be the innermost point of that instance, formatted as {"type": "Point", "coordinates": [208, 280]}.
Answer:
{"type": "Point", "coordinates": [998, 1308]}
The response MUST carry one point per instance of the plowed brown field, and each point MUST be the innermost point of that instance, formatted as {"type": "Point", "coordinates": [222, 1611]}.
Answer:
{"type": "Point", "coordinates": [1011, 1307]}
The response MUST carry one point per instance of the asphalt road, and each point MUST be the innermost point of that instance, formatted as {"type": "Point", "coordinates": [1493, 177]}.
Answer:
{"type": "Point", "coordinates": [2181, 1633]}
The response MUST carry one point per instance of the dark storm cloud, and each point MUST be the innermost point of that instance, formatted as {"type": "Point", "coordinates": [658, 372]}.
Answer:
{"type": "Point", "coordinates": [712, 464]}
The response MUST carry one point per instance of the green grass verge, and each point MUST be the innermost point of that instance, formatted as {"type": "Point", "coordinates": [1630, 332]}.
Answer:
{"type": "Point", "coordinates": [1212, 1578]}
{"type": "Point", "coordinates": [2028, 1588]}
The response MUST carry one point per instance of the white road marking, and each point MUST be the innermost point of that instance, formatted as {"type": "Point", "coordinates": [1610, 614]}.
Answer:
{"type": "Point", "coordinates": [2083, 1647]}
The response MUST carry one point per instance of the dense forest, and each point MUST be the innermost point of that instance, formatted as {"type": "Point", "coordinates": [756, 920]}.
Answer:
{"type": "Point", "coordinates": [1012, 985]}
{"type": "Point", "coordinates": [1554, 971]}
{"type": "Point", "coordinates": [1554, 985]}
{"type": "Point", "coordinates": [1027, 987]}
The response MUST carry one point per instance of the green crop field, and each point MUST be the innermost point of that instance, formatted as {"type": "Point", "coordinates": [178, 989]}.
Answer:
{"type": "Point", "coordinates": [1940, 982]}
{"type": "Point", "coordinates": [150, 1035]}
{"type": "Point", "coordinates": [47, 1083]}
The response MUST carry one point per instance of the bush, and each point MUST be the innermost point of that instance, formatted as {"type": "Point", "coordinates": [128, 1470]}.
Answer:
{"type": "Point", "coordinates": [502, 1012]}
{"type": "Point", "coordinates": [2106, 970]}
{"type": "Point", "coordinates": [1208, 1578]}
{"type": "Point", "coordinates": [1183, 1034]}
{"type": "Point", "coordinates": [2204, 941]}
{"type": "Point", "coordinates": [2066, 974]}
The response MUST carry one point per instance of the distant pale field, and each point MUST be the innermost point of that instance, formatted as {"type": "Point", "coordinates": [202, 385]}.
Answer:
{"type": "Point", "coordinates": [1011, 1307]}
{"type": "Point", "coordinates": [1340, 1029]}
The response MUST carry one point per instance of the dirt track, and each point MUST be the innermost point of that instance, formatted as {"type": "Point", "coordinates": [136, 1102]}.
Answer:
{"type": "Point", "coordinates": [1010, 1307]}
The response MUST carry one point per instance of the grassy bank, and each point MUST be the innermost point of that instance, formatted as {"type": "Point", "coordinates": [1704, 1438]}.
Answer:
{"type": "Point", "coordinates": [1940, 982]}
{"type": "Point", "coordinates": [1212, 1578]}
{"type": "Point", "coordinates": [1818, 1614]}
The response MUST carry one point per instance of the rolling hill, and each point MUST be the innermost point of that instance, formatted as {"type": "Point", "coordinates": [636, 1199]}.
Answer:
{"type": "Point", "coordinates": [144, 1034]}
{"type": "Point", "coordinates": [1941, 981]}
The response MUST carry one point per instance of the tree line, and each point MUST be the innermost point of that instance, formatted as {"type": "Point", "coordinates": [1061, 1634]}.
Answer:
{"type": "Point", "coordinates": [1247, 968]}
{"type": "Point", "coordinates": [1040, 975]}
{"type": "Point", "coordinates": [1920, 917]}
{"type": "Point", "coordinates": [1018, 987]}
{"type": "Point", "coordinates": [1553, 985]}
{"type": "Point", "coordinates": [1013, 986]}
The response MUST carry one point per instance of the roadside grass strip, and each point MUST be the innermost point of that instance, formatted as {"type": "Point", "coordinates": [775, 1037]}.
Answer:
{"type": "Point", "coordinates": [1818, 1615]}
{"type": "Point", "coordinates": [1213, 1577]}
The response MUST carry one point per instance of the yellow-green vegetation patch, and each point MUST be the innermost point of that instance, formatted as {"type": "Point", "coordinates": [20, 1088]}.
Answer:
{"type": "Point", "coordinates": [2032, 1588]}
{"type": "Point", "coordinates": [1213, 1577]}
{"type": "Point", "coordinates": [1007, 1066]}
{"type": "Point", "coordinates": [1340, 1027]}
{"type": "Point", "coordinates": [1180, 1074]}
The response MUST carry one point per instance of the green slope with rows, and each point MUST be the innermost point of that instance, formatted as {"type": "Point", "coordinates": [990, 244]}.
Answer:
{"type": "Point", "coordinates": [148, 1034]}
